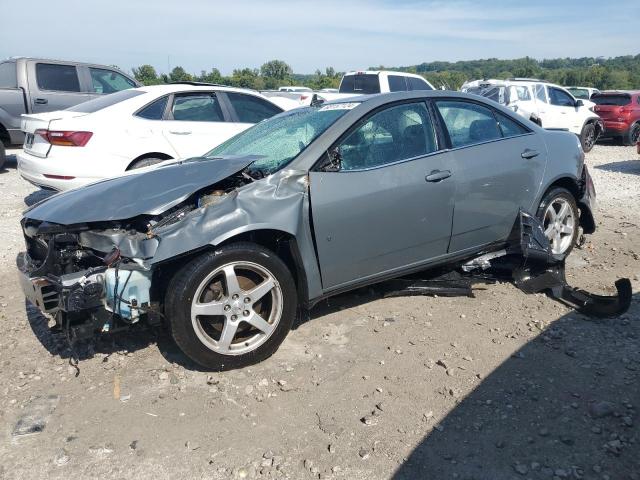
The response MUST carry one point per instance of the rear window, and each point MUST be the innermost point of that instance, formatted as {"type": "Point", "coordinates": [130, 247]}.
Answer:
{"type": "Point", "coordinates": [497, 94]}
{"type": "Point", "coordinates": [417, 84]}
{"type": "Point", "coordinates": [61, 78]}
{"type": "Point", "coordinates": [397, 83]}
{"type": "Point", "coordinates": [8, 77]}
{"type": "Point", "coordinates": [104, 102]}
{"type": "Point", "coordinates": [618, 100]}
{"type": "Point", "coordinates": [361, 84]}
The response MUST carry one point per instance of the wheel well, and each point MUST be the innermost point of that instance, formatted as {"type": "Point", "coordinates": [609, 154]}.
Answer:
{"type": "Point", "coordinates": [597, 124]}
{"type": "Point", "coordinates": [568, 183]}
{"type": "Point", "coordinates": [283, 244]}
{"type": "Point", "coordinates": [4, 136]}
{"type": "Point", "coordinates": [160, 155]}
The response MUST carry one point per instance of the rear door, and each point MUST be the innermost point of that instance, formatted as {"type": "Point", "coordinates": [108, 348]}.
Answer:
{"type": "Point", "coordinates": [54, 86]}
{"type": "Point", "coordinates": [500, 164]}
{"type": "Point", "coordinates": [390, 204]}
{"type": "Point", "coordinates": [196, 122]}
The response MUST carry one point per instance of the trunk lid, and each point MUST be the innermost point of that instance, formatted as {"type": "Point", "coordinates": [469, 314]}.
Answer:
{"type": "Point", "coordinates": [35, 144]}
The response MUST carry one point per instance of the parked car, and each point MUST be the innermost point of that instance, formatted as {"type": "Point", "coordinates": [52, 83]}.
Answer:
{"type": "Point", "coordinates": [549, 105]}
{"type": "Point", "coordinates": [620, 111]}
{"type": "Point", "coordinates": [582, 93]}
{"type": "Point", "coordinates": [34, 85]}
{"type": "Point", "coordinates": [310, 203]}
{"type": "Point", "coordinates": [362, 83]}
{"type": "Point", "coordinates": [135, 128]}
{"type": "Point", "coordinates": [294, 89]}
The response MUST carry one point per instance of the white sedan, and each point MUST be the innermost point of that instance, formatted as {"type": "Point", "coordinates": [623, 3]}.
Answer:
{"type": "Point", "coordinates": [136, 128]}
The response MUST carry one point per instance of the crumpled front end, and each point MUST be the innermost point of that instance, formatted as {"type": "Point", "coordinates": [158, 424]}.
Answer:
{"type": "Point", "coordinates": [103, 276]}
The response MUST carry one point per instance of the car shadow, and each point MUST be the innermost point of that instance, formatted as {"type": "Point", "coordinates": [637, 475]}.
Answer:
{"type": "Point", "coordinates": [563, 406]}
{"type": "Point", "coordinates": [38, 196]}
{"type": "Point", "coordinates": [628, 166]}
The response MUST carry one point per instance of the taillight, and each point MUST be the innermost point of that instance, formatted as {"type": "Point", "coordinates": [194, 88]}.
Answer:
{"type": "Point", "coordinates": [65, 138]}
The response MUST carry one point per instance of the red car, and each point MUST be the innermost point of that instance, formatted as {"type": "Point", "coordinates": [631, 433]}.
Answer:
{"type": "Point", "coordinates": [620, 112]}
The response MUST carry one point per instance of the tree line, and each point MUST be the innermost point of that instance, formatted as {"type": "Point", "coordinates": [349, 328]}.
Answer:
{"type": "Point", "coordinates": [602, 73]}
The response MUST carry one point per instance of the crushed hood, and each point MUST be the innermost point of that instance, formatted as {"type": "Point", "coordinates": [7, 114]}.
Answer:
{"type": "Point", "coordinates": [150, 192]}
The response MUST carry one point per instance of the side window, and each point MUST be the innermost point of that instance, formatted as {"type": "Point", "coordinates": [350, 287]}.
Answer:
{"type": "Point", "coordinates": [397, 83]}
{"type": "Point", "coordinates": [251, 109]}
{"type": "Point", "coordinates": [509, 127]}
{"type": "Point", "coordinates": [560, 98]}
{"type": "Point", "coordinates": [8, 76]}
{"type": "Point", "coordinates": [394, 134]}
{"type": "Point", "coordinates": [417, 84]}
{"type": "Point", "coordinates": [540, 94]}
{"type": "Point", "coordinates": [108, 81]}
{"type": "Point", "coordinates": [155, 110]}
{"type": "Point", "coordinates": [468, 123]}
{"type": "Point", "coordinates": [196, 107]}
{"type": "Point", "coordinates": [61, 78]}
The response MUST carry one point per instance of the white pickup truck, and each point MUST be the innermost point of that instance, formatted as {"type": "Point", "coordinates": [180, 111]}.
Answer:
{"type": "Point", "coordinates": [364, 82]}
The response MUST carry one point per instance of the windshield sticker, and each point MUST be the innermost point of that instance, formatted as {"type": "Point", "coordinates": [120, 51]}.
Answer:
{"type": "Point", "coordinates": [339, 106]}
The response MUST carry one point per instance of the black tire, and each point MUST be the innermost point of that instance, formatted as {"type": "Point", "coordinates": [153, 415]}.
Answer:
{"type": "Point", "coordinates": [184, 285]}
{"type": "Point", "coordinates": [549, 198]}
{"type": "Point", "coordinates": [588, 137]}
{"type": "Point", "coordinates": [632, 137]}
{"type": "Point", "coordinates": [3, 155]}
{"type": "Point", "coordinates": [145, 162]}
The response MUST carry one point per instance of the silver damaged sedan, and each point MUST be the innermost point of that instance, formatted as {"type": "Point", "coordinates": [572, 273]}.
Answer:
{"type": "Point", "coordinates": [226, 249]}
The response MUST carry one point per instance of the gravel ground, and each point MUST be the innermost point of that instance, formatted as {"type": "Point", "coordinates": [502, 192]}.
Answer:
{"type": "Point", "coordinates": [497, 387]}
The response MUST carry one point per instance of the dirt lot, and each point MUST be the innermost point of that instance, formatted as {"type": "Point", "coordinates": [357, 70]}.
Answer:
{"type": "Point", "coordinates": [497, 387]}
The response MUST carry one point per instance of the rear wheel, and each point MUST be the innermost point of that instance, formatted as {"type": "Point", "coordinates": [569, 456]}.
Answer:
{"type": "Point", "coordinates": [231, 308]}
{"type": "Point", "coordinates": [633, 136]}
{"type": "Point", "coordinates": [145, 162]}
{"type": "Point", "coordinates": [588, 137]}
{"type": "Point", "coordinates": [560, 219]}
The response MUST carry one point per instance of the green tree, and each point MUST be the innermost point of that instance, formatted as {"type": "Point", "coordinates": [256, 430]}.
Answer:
{"type": "Point", "coordinates": [247, 78]}
{"type": "Point", "coordinates": [178, 74]}
{"type": "Point", "coordinates": [146, 75]}
{"type": "Point", "coordinates": [276, 73]}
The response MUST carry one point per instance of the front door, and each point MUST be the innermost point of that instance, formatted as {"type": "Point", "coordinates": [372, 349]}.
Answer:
{"type": "Point", "coordinates": [562, 111]}
{"type": "Point", "coordinates": [390, 204]}
{"type": "Point", "coordinates": [500, 163]}
{"type": "Point", "coordinates": [196, 124]}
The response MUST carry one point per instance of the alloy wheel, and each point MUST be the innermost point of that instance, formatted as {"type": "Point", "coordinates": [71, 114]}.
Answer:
{"type": "Point", "coordinates": [559, 225]}
{"type": "Point", "coordinates": [236, 308]}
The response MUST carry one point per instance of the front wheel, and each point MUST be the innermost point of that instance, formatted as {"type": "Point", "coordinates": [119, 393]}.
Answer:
{"type": "Point", "coordinates": [588, 137]}
{"type": "Point", "coordinates": [3, 155]}
{"type": "Point", "coordinates": [233, 307]}
{"type": "Point", "coordinates": [560, 219]}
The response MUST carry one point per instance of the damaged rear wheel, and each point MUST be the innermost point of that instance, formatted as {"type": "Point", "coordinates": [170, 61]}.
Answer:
{"type": "Point", "coordinates": [233, 307]}
{"type": "Point", "coordinates": [559, 215]}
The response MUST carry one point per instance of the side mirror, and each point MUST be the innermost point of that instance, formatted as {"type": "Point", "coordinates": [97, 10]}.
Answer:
{"type": "Point", "coordinates": [579, 103]}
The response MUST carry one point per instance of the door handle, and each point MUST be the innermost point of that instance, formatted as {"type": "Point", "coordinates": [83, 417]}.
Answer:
{"type": "Point", "coordinates": [41, 101]}
{"type": "Point", "coordinates": [528, 153]}
{"type": "Point", "coordinates": [179, 133]}
{"type": "Point", "coordinates": [437, 175]}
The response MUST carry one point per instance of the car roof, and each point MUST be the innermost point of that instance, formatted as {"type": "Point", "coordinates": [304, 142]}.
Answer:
{"type": "Point", "coordinates": [195, 87]}
{"type": "Point", "coordinates": [618, 92]}
{"type": "Point", "coordinates": [383, 98]}
{"type": "Point", "coordinates": [385, 72]}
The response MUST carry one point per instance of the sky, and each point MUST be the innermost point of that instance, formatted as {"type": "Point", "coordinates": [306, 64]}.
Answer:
{"type": "Point", "coordinates": [310, 35]}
